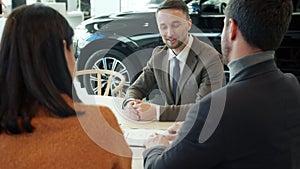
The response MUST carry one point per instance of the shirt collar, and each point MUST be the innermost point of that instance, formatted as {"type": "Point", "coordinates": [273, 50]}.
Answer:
{"type": "Point", "coordinates": [240, 64]}
{"type": "Point", "coordinates": [182, 56]}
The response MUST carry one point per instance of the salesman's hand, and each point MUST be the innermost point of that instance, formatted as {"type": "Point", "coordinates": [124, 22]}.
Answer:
{"type": "Point", "coordinates": [130, 111]}
{"type": "Point", "coordinates": [146, 111]}
{"type": "Point", "coordinates": [156, 139]}
{"type": "Point", "coordinates": [173, 130]}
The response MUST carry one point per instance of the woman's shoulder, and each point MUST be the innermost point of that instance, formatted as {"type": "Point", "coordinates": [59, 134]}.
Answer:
{"type": "Point", "coordinates": [97, 112]}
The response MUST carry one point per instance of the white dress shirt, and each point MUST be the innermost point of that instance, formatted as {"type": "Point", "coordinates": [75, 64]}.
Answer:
{"type": "Point", "coordinates": [181, 56]}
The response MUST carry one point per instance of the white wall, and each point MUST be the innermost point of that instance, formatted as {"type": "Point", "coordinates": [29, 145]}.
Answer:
{"type": "Point", "coordinates": [7, 10]}
{"type": "Point", "coordinates": [133, 5]}
{"type": "Point", "coordinates": [72, 5]}
{"type": "Point", "coordinates": [103, 7]}
{"type": "Point", "coordinates": [7, 2]}
{"type": "Point", "coordinates": [2, 23]}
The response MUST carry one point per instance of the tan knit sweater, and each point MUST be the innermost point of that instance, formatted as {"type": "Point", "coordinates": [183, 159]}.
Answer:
{"type": "Point", "coordinates": [89, 141]}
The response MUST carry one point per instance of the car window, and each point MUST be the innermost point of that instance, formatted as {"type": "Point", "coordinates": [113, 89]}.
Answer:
{"type": "Point", "coordinates": [208, 7]}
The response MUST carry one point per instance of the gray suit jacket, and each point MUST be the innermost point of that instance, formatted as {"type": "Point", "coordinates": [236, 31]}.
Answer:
{"type": "Point", "coordinates": [253, 122]}
{"type": "Point", "coordinates": [202, 73]}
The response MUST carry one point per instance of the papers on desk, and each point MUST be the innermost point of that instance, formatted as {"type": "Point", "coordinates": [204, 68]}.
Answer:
{"type": "Point", "coordinates": [136, 137]}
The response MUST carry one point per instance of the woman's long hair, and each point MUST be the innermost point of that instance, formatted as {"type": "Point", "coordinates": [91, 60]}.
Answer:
{"type": "Point", "coordinates": [33, 68]}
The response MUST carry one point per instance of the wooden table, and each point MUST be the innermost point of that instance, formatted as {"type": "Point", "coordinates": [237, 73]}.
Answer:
{"type": "Point", "coordinates": [115, 104]}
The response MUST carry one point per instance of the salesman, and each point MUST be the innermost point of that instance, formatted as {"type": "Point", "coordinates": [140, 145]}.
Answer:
{"type": "Point", "coordinates": [185, 69]}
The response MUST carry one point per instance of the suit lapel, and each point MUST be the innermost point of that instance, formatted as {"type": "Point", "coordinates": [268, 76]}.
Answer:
{"type": "Point", "coordinates": [165, 76]}
{"type": "Point", "coordinates": [187, 72]}
{"type": "Point", "coordinates": [189, 67]}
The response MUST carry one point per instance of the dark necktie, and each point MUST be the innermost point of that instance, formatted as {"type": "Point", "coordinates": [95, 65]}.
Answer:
{"type": "Point", "coordinates": [176, 74]}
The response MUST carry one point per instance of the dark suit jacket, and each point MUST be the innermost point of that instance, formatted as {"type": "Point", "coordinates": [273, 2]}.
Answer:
{"type": "Point", "coordinates": [202, 73]}
{"type": "Point", "coordinates": [253, 122]}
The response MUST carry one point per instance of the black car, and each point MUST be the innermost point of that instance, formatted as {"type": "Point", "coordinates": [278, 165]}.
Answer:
{"type": "Point", "coordinates": [124, 42]}
{"type": "Point", "coordinates": [121, 42]}
{"type": "Point", "coordinates": [214, 6]}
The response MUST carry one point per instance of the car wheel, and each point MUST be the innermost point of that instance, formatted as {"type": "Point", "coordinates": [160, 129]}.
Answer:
{"type": "Point", "coordinates": [110, 60]}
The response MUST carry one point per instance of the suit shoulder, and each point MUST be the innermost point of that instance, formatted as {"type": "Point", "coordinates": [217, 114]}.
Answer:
{"type": "Point", "coordinates": [159, 50]}
{"type": "Point", "coordinates": [202, 47]}
{"type": "Point", "coordinates": [205, 52]}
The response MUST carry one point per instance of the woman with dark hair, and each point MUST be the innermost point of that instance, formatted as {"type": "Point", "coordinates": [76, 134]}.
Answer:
{"type": "Point", "coordinates": [39, 126]}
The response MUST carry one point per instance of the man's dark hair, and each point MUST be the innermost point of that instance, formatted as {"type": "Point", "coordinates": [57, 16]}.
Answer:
{"type": "Point", "coordinates": [175, 4]}
{"type": "Point", "coordinates": [262, 23]}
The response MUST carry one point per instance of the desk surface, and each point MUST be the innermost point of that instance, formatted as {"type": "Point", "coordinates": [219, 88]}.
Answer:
{"type": "Point", "coordinates": [115, 104]}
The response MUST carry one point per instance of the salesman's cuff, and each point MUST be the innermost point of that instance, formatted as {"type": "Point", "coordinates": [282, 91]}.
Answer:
{"type": "Point", "coordinates": [126, 101]}
{"type": "Point", "coordinates": [157, 112]}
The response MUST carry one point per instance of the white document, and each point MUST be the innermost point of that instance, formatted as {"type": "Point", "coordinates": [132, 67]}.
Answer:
{"type": "Point", "coordinates": [136, 137]}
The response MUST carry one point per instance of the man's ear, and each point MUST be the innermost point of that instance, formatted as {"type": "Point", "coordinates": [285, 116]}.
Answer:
{"type": "Point", "coordinates": [190, 24]}
{"type": "Point", "coordinates": [232, 28]}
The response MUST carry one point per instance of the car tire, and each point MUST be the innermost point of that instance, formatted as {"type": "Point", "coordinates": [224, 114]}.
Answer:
{"type": "Point", "coordinates": [109, 59]}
